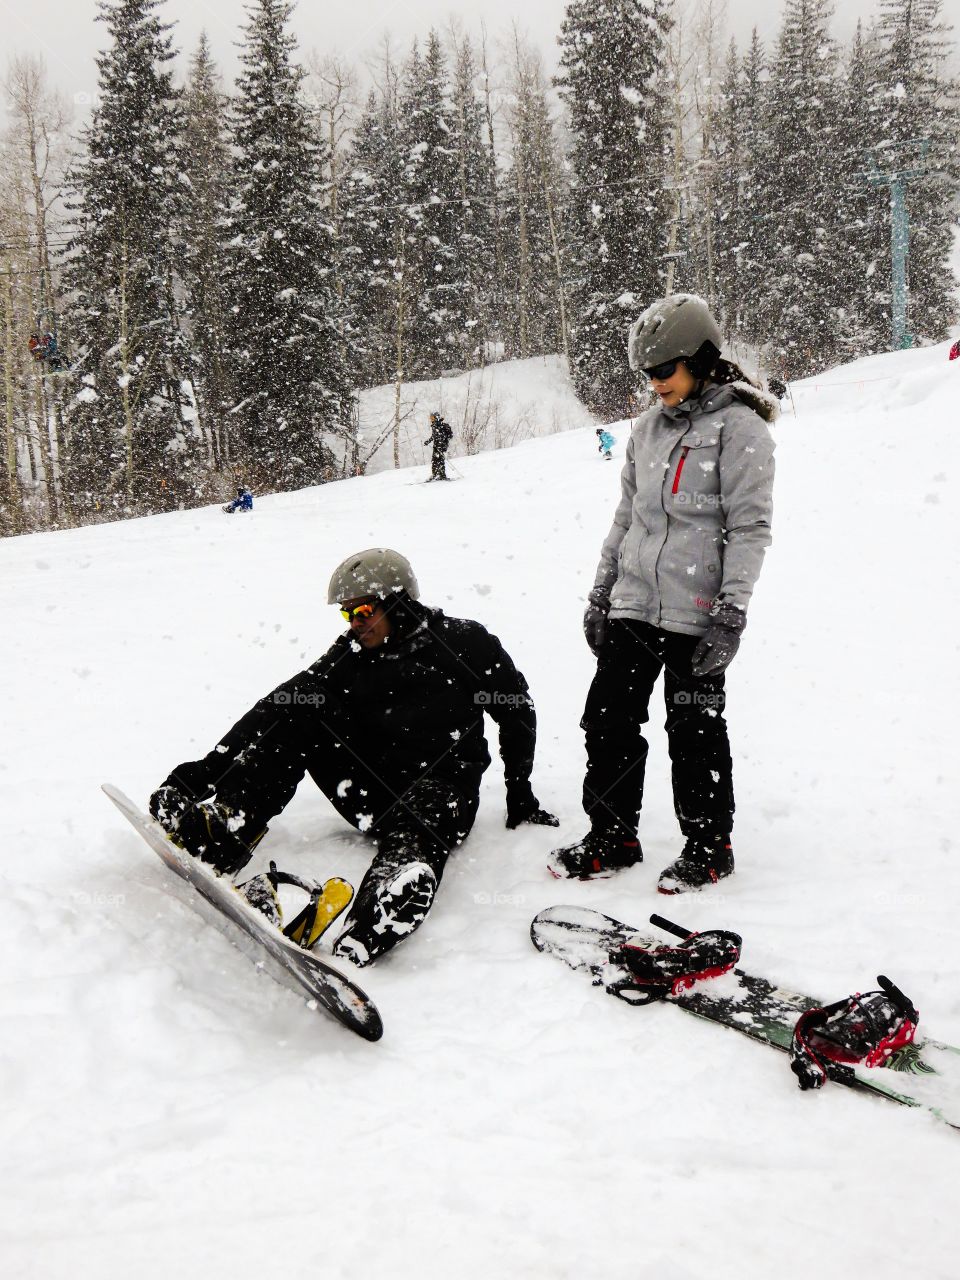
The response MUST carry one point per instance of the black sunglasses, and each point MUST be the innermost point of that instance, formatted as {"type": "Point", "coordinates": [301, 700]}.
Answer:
{"type": "Point", "coordinates": [661, 372]}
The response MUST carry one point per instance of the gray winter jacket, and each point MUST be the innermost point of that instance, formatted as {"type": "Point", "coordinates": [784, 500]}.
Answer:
{"type": "Point", "coordinates": [694, 515]}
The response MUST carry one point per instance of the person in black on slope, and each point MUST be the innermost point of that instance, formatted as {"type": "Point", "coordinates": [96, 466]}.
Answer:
{"type": "Point", "coordinates": [440, 436]}
{"type": "Point", "coordinates": [389, 724]}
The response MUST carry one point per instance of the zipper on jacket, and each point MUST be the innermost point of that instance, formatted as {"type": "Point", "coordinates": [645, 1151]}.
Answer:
{"type": "Point", "coordinates": [683, 457]}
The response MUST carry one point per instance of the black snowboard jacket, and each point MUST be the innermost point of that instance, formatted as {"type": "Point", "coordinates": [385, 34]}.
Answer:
{"type": "Point", "coordinates": [411, 708]}
{"type": "Point", "coordinates": [440, 435]}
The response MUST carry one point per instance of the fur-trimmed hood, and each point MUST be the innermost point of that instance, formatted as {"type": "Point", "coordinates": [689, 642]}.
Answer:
{"type": "Point", "coordinates": [764, 403]}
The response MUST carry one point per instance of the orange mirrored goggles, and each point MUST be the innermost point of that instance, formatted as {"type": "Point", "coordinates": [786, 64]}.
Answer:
{"type": "Point", "coordinates": [359, 611]}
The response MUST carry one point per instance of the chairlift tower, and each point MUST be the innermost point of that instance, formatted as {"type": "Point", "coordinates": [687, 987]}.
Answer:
{"type": "Point", "coordinates": [896, 181]}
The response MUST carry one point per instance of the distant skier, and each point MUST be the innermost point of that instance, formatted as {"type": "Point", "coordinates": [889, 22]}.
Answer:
{"type": "Point", "coordinates": [440, 435]}
{"type": "Point", "coordinates": [242, 502]}
{"type": "Point", "coordinates": [955, 350]}
{"type": "Point", "coordinates": [605, 443]}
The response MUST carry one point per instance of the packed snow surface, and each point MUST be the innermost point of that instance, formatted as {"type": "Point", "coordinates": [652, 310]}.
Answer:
{"type": "Point", "coordinates": [169, 1112]}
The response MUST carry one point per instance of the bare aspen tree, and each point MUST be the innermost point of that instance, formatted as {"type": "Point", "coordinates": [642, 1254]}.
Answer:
{"type": "Point", "coordinates": [385, 74]}
{"type": "Point", "coordinates": [518, 118]}
{"type": "Point", "coordinates": [333, 86]}
{"type": "Point", "coordinates": [13, 518]}
{"type": "Point", "coordinates": [708, 38]}
{"type": "Point", "coordinates": [38, 123]}
{"type": "Point", "coordinates": [400, 320]}
{"type": "Point", "coordinates": [206, 165]}
{"type": "Point", "coordinates": [498, 291]}
{"type": "Point", "coordinates": [680, 63]}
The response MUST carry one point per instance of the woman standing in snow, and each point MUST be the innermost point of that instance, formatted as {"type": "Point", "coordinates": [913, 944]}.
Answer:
{"type": "Point", "coordinates": [675, 577]}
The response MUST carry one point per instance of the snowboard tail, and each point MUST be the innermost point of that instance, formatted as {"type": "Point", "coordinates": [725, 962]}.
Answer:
{"type": "Point", "coordinates": [217, 901]}
{"type": "Point", "coordinates": [925, 1073]}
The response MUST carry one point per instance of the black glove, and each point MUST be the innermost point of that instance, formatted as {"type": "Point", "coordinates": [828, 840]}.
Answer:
{"type": "Point", "coordinates": [716, 650]}
{"type": "Point", "coordinates": [595, 618]}
{"type": "Point", "coordinates": [527, 809]}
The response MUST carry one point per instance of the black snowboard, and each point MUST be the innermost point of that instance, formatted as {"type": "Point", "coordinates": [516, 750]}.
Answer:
{"type": "Point", "coordinates": [218, 902]}
{"type": "Point", "coordinates": [923, 1074]}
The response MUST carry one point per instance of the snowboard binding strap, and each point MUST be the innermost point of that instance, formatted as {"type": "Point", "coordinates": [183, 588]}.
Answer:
{"type": "Point", "coordinates": [657, 973]}
{"type": "Point", "coordinates": [865, 1030]}
{"type": "Point", "coordinates": [327, 901]}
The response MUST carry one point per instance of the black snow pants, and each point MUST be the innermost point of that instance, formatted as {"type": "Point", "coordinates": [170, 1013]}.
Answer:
{"type": "Point", "coordinates": [630, 660]}
{"type": "Point", "coordinates": [438, 468]}
{"type": "Point", "coordinates": [411, 818]}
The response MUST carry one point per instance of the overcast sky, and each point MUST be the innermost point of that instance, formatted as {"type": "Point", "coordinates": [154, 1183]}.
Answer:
{"type": "Point", "coordinates": [65, 32]}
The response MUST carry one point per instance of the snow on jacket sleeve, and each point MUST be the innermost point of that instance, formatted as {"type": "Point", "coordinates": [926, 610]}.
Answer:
{"type": "Point", "coordinates": [746, 499]}
{"type": "Point", "coordinates": [609, 555]}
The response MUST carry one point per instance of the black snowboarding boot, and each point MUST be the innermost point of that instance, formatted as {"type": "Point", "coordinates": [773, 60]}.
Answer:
{"type": "Point", "coordinates": [596, 857]}
{"type": "Point", "coordinates": [703, 862]}
{"type": "Point", "coordinates": [391, 904]}
{"type": "Point", "coordinates": [204, 829]}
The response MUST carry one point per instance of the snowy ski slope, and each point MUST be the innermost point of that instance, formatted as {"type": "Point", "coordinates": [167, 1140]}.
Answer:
{"type": "Point", "coordinates": [167, 1113]}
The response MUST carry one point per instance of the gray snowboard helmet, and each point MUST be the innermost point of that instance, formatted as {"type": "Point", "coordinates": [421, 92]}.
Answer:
{"type": "Point", "coordinates": [375, 572]}
{"type": "Point", "coordinates": [676, 328]}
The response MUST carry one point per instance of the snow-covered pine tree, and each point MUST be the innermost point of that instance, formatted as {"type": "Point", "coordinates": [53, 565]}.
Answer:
{"type": "Point", "coordinates": [804, 104]}
{"type": "Point", "coordinates": [372, 227]}
{"type": "Point", "coordinates": [290, 371]}
{"type": "Point", "coordinates": [862, 264]}
{"type": "Point", "coordinates": [611, 64]}
{"type": "Point", "coordinates": [532, 204]}
{"type": "Point", "coordinates": [755, 242]}
{"type": "Point", "coordinates": [730, 165]}
{"type": "Point", "coordinates": [133, 444]}
{"type": "Point", "coordinates": [206, 171]}
{"type": "Point", "coordinates": [475, 166]}
{"type": "Point", "coordinates": [918, 100]}
{"type": "Point", "coordinates": [436, 328]}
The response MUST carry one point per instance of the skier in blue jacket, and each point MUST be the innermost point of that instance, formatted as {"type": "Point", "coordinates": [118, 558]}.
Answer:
{"type": "Point", "coordinates": [605, 443]}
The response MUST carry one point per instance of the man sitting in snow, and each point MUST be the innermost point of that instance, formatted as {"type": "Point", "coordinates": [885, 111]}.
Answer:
{"type": "Point", "coordinates": [389, 724]}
